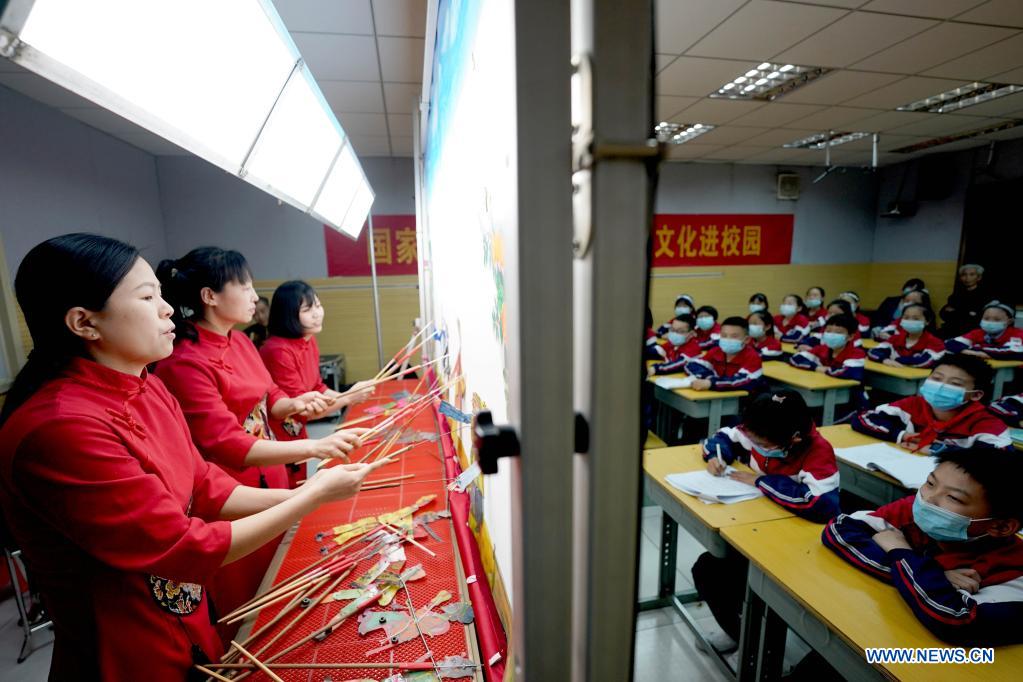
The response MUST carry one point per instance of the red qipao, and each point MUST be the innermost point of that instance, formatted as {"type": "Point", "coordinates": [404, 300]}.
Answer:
{"type": "Point", "coordinates": [226, 394]}
{"type": "Point", "coordinates": [116, 513]}
{"type": "Point", "coordinates": [294, 365]}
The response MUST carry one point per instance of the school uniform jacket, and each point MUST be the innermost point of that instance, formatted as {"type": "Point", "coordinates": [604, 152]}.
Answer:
{"type": "Point", "coordinates": [117, 515]}
{"type": "Point", "coordinates": [817, 318]}
{"type": "Point", "coordinates": [863, 322]}
{"type": "Point", "coordinates": [1006, 346]}
{"type": "Point", "coordinates": [769, 347]}
{"type": "Point", "coordinates": [708, 339]}
{"type": "Point", "coordinates": [1009, 409]}
{"type": "Point", "coordinates": [805, 482]}
{"type": "Point", "coordinates": [294, 366]}
{"type": "Point", "coordinates": [744, 372]}
{"type": "Point", "coordinates": [846, 364]}
{"type": "Point", "coordinates": [991, 617]}
{"type": "Point", "coordinates": [927, 350]}
{"type": "Point", "coordinates": [912, 420]}
{"type": "Point", "coordinates": [815, 339]}
{"type": "Point", "coordinates": [677, 356]}
{"type": "Point", "coordinates": [794, 329]}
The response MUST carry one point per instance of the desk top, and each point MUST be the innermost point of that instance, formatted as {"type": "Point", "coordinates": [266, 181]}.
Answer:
{"type": "Point", "coordinates": [867, 344]}
{"type": "Point", "coordinates": [697, 396]}
{"type": "Point", "coordinates": [789, 348]}
{"type": "Point", "coordinates": [864, 611]}
{"type": "Point", "coordinates": [842, 436]}
{"type": "Point", "coordinates": [801, 378]}
{"type": "Point", "coordinates": [1004, 364]}
{"type": "Point", "coordinates": [657, 464]}
{"type": "Point", "coordinates": [900, 372]}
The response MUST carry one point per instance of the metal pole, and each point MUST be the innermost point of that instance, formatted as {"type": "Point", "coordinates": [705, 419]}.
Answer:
{"type": "Point", "coordinates": [376, 293]}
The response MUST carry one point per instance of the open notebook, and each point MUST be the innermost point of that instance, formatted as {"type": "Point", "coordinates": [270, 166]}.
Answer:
{"type": "Point", "coordinates": [671, 383]}
{"type": "Point", "coordinates": [713, 489]}
{"type": "Point", "coordinates": [908, 469]}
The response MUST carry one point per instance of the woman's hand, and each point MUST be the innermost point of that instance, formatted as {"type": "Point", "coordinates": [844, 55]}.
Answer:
{"type": "Point", "coordinates": [338, 482]}
{"type": "Point", "coordinates": [337, 445]}
{"type": "Point", "coordinates": [360, 392]}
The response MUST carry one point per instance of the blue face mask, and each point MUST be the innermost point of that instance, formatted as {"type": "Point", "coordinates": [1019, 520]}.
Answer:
{"type": "Point", "coordinates": [942, 524]}
{"type": "Point", "coordinates": [757, 307]}
{"type": "Point", "coordinates": [756, 330]}
{"type": "Point", "coordinates": [912, 326]}
{"type": "Point", "coordinates": [682, 310]}
{"type": "Point", "coordinates": [730, 346]}
{"type": "Point", "coordinates": [942, 396]}
{"type": "Point", "coordinates": [898, 311]}
{"type": "Point", "coordinates": [705, 323]}
{"type": "Point", "coordinates": [834, 340]}
{"type": "Point", "coordinates": [993, 328]}
{"type": "Point", "coordinates": [676, 339]}
{"type": "Point", "coordinates": [814, 303]}
{"type": "Point", "coordinates": [773, 453]}
{"type": "Point", "coordinates": [787, 309]}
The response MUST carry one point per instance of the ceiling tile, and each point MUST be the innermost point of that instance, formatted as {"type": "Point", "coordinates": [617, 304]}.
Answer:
{"type": "Point", "coordinates": [400, 124]}
{"type": "Point", "coordinates": [42, 90]}
{"type": "Point", "coordinates": [666, 106]}
{"type": "Point", "coordinates": [356, 124]}
{"type": "Point", "coordinates": [983, 63]}
{"type": "Point", "coordinates": [716, 111]}
{"type": "Point", "coordinates": [401, 59]}
{"type": "Point", "coordinates": [778, 137]}
{"type": "Point", "coordinates": [698, 76]}
{"type": "Point", "coordinates": [401, 97]}
{"type": "Point", "coordinates": [346, 96]}
{"type": "Point", "coordinates": [838, 86]}
{"type": "Point", "coordinates": [997, 12]}
{"type": "Point", "coordinates": [853, 38]}
{"type": "Point", "coordinates": [688, 150]}
{"type": "Point", "coordinates": [938, 9]}
{"type": "Point", "coordinates": [762, 29]}
{"type": "Point", "coordinates": [777, 114]}
{"type": "Point", "coordinates": [338, 57]}
{"type": "Point", "coordinates": [1010, 134]}
{"type": "Point", "coordinates": [371, 145]}
{"type": "Point", "coordinates": [833, 118]}
{"type": "Point", "coordinates": [730, 134]}
{"type": "Point", "coordinates": [400, 17]}
{"type": "Point", "coordinates": [678, 25]}
{"type": "Point", "coordinates": [737, 153]}
{"type": "Point", "coordinates": [105, 120]}
{"type": "Point", "coordinates": [940, 125]}
{"type": "Point", "coordinates": [889, 120]}
{"type": "Point", "coordinates": [902, 92]}
{"type": "Point", "coordinates": [662, 60]}
{"type": "Point", "coordinates": [803, 157]}
{"type": "Point", "coordinates": [1012, 76]}
{"type": "Point", "coordinates": [934, 46]}
{"type": "Point", "coordinates": [330, 16]}
{"type": "Point", "coordinates": [401, 145]}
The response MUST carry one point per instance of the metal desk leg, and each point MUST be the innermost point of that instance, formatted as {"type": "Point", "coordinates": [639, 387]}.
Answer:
{"type": "Point", "coordinates": [749, 635]}
{"type": "Point", "coordinates": [771, 652]}
{"type": "Point", "coordinates": [714, 419]}
{"type": "Point", "coordinates": [669, 557]}
{"type": "Point", "coordinates": [829, 407]}
{"type": "Point", "coordinates": [1002, 376]}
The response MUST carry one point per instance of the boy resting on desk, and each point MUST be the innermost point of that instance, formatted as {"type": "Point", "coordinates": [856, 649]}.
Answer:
{"type": "Point", "coordinates": [837, 356]}
{"type": "Point", "coordinates": [732, 365]}
{"type": "Point", "coordinates": [951, 550]}
{"type": "Point", "coordinates": [948, 412]}
{"type": "Point", "coordinates": [682, 346]}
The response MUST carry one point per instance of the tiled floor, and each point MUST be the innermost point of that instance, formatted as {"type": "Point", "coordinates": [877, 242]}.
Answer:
{"type": "Point", "coordinates": [36, 666]}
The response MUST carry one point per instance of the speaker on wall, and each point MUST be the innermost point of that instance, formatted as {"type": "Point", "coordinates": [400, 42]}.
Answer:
{"type": "Point", "coordinates": [788, 186]}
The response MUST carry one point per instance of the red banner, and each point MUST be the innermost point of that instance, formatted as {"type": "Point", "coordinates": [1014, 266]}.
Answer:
{"type": "Point", "coordinates": [721, 239]}
{"type": "Point", "coordinates": [394, 241]}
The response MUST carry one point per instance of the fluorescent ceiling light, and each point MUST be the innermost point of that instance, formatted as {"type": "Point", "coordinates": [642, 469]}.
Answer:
{"type": "Point", "coordinates": [822, 140]}
{"type": "Point", "coordinates": [220, 78]}
{"type": "Point", "coordinates": [945, 139]}
{"type": "Point", "coordinates": [768, 81]}
{"type": "Point", "coordinates": [677, 133]}
{"type": "Point", "coordinates": [962, 97]}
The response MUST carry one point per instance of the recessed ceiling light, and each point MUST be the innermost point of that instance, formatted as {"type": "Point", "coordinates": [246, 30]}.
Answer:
{"type": "Point", "coordinates": [769, 81]}
{"type": "Point", "coordinates": [962, 97]}
{"type": "Point", "coordinates": [677, 133]}
{"type": "Point", "coordinates": [821, 140]}
{"type": "Point", "coordinates": [937, 141]}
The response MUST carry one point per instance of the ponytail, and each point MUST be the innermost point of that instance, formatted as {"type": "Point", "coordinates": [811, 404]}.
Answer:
{"type": "Point", "coordinates": [183, 280]}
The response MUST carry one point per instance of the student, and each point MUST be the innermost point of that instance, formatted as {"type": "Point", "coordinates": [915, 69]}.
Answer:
{"type": "Point", "coordinates": [682, 346]}
{"type": "Point", "coordinates": [683, 306]}
{"type": "Point", "coordinates": [732, 365]}
{"type": "Point", "coordinates": [885, 312]}
{"type": "Point", "coordinates": [100, 483]}
{"type": "Point", "coordinates": [996, 338]}
{"type": "Point", "coordinates": [708, 331]}
{"type": "Point", "coordinates": [948, 412]}
{"type": "Point", "coordinates": [916, 297]}
{"type": "Point", "coordinates": [761, 332]}
{"type": "Point", "coordinates": [862, 321]}
{"type": "Point", "coordinates": [793, 465]}
{"type": "Point", "coordinates": [837, 355]}
{"type": "Point", "coordinates": [913, 344]}
{"type": "Point", "coordinates": [815, 310]}
{"type": "Point", "coordinates": [1009, 409]}
{"type": "Point", "coordinates": [758, 303]}
{"type": "Point", "coordinates": [836, 307]}
{"type": "Point", "coordinates": [951, 550]}
{"type": "Point", "coordinates": [257, 331]}
{"type": "Point", "coordinates": [791, 323]}
{"type": "Point", "coordinates": [227, 394]}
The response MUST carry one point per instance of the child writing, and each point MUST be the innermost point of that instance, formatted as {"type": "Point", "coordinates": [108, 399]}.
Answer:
{"type": "Point", "coordinates": [761, 331]}
{"type": "Point", "coordinates": [996, 338]}
{"type": "Point", "coordinates": [913, 345]}
{"type": "Point", "coordinates": [791, 323]}
{"type": "Point", "coordinates": [836, 356]}
{"type": "Point", "coordinates": [732, 365]}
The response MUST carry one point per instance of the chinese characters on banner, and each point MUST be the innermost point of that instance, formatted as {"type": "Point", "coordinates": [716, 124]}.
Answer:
{"type": "Point", "coordinates": [721, 239]}
{"type": "Point", "coordinates": [394, 240]}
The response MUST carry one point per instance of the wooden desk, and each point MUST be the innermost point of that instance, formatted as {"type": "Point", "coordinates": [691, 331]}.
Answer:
{"type": "Point", "coordinates": [897, 380]}
{"type": "Point", "coordinates": [789, 348]}
{"type": "Point", "coordinates": [653, 442]}
{"type": "Point", "coordinates": [817, 389]}
{"type": "Point", "coordinates": [835, 608]}
{"type": "Point", "coordinates": [709, 405]}
{"type": "Point", "coordinates": [873, 486]}
{"type": "Point", "coordinates": [1004, 371]}
{"type": "Point", "coordinates": [867, 344]}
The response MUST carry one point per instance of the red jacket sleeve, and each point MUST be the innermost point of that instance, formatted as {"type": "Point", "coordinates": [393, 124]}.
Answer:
{"type": "Point", "coordinates": [78, 476]}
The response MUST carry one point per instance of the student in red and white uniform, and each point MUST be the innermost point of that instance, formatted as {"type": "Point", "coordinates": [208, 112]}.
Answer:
{"type": "Point", "coordinates": [862, 321]}
{"type": "Point", "coordinates": [837, 356]}
{"type": "Point", "coordinates": [228, 396]}
{"type": "Point", "coordinates": [1009, 409]}
{"type": "Point", "coordinates": [816, 312]}
{"type": "Point", "coordinates": [120, 520]}
{"type": "Point", "coordinates": [732, 365]}
{"type": "Point", "coordinates": [913, 345]}
{"type": "Point", "coordinates": [708, 331]}
{"type": "Point", "coordinates": [996, 338]}
{"type": "Point", "coordinates": [949, 411]}
{"type": "Point", "coordinates": [836, 307]}
{"type": "Point", "coordinates": [682, 346]}
{"type": "Point", "coordinates": [684, 305]}
{"type": "Point", "coordinates": [791, 324]}
{"type": "Point", "coordinates": [761, 334]}
{"type": "Point", "coordinates": [916, 297]}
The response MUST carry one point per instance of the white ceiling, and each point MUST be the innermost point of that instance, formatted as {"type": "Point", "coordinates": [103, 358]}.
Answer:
{"type": "Point", "coordinates": [885, 53]}
{"type": "Point", "coordinates": [366, 55]}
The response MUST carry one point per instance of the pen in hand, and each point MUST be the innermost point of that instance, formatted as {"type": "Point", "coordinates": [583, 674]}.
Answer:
{"type": "Point", "coordinates": [721, 461]}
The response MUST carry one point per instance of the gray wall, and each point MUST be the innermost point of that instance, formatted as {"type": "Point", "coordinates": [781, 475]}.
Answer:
{"type": "Point", "coordinates": [834, 219]}
{"type": "Point", "coordinates": [203, 205]}
{"type": "Point", "coordinates": [58, 175]}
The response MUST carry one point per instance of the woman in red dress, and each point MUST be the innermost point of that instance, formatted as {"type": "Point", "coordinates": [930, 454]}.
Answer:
{"type": "Point", "coordinates": [120, 520]}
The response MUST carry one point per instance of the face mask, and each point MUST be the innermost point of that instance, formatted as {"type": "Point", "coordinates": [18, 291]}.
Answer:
{"type": "Point", "coordinates": [942, 396]}
{"type": "Point", "coordinates": [993, 328]}
{"type": "Point", "coordinates": [706, 322]}
{"type": "Point", "coordinates": [756, 330]}
{"type": "Point", "coordinates": [898, 311]}
{"type": "Point", "coordinates": [912, 326]}
{"type": "Point", "coordinates": [730, 346]}
{"type": "Point", "coordinates": [833, 340]}
{"type": "Point", "coordinates": [682, 310]}
{"type": "Point", "coordinates": [814, 303]}
{"type": "Point", "coordinates": [757, 307]}
{"type": "Point", "coordinates": [676, 339]}
{"type": "Point", "coordinates": [774, 453]}
{"type": "Point", "coordinates": [787, 309]}
{"type": "Point", "coordinates": [942, 524]}
{"type": "Point", "coordinates": [907, 290]}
